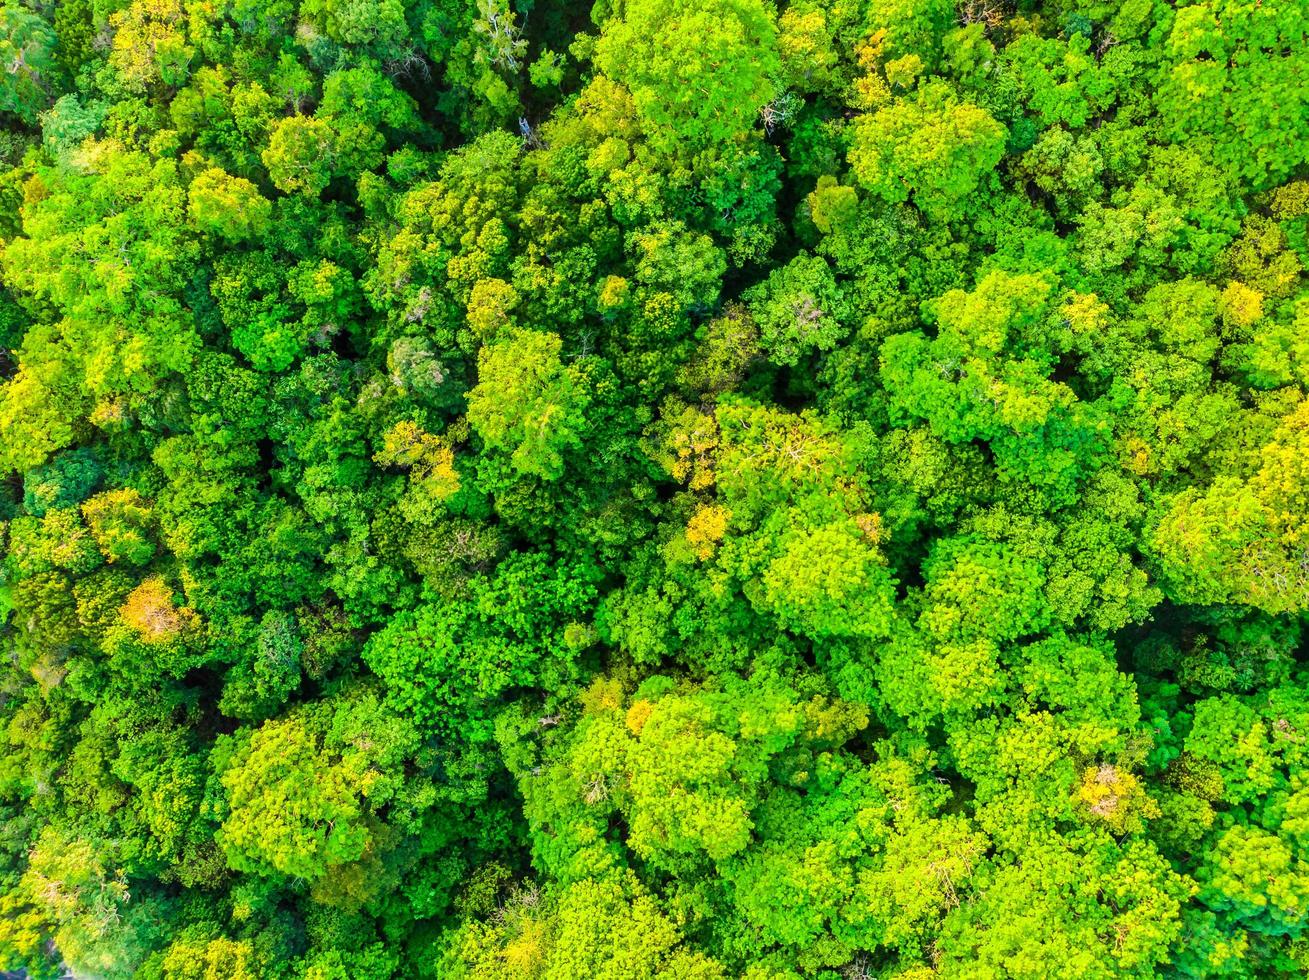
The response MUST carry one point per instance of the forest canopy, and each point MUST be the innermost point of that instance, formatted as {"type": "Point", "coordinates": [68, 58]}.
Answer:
{"type": "Point", "coordinates": [684, 489]}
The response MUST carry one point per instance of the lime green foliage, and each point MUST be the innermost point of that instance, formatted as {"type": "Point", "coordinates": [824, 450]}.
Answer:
{"type": "Point", "coordinates": [933, 147]}
{"type": "Point", "coordinates": [292, 810]}
{"type": "Point", "coordinates": [527, 402]}
{"type": "Point", "coordinates": [1218, 83]}
{"type": "Point", "coordinates": [698, 72]}
{"type": "Point", "coordinates": [228, 206]}
{"type": "Point", "coordinates": [725, 490]}
{"type": "Point", "coordinates": [1246, 540]}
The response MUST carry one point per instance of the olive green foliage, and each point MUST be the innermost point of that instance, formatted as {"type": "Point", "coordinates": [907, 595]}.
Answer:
{"type": "Point", "coordinates": [685, 489]}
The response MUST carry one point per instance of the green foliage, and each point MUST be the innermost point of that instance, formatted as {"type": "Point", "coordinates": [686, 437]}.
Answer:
{"type": "Point", "coordinates": [932, 147]}
{"type": "Point", "coordinates": [1215, 85]}
{"type": "Point", "coordinates": [779, 491]}
{"type": "Point", "coordinates": [799, 309]}
{"type": "Point", "coordinates": [697, 72]}
{"type": "Point", "coordinates": [528, 403]}
{"type": "Point", "coordinates": [28, 51]}
{"type": "Point", "coordinates": [228, 206]}
{"type": "Point", "coordinates": [291, 809]}
{"type": "Point", "coordinates": [1241, 539]}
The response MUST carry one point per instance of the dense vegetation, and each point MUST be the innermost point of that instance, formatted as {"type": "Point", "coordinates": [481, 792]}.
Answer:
{"type": "Point", "coordinates": [694, 489]}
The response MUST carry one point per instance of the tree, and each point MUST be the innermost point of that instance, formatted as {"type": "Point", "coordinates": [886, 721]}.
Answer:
{"type": "Point", "coordinates": [150, 45]}
{"type": "Point", "coordinates": [228, 206]}
{"type": "Point", "coordinates": [301, 156]}
{"type": "Point", "coordinates": [932, 147]}
{"type": "Point", "coordinates": [290, 808]}
{"type": "Point", "coordinates": [1212, 83]}
{"type": "Point", "coordinates": [800, 308]}
{"type": "Point", "coordinates": [528, 402]}
{"type": "Point", "coordinates": [697, 73]}
{"type": "Point", "coordinates": [1240, 540]}
{"type": "Point", "coordinates": [28, 52]}
{"type": "Point", "coordinates": [119, 521]}
{"type": "Point", "coordinates": [1126, 920]}
{"type": "Point", "coordinates": [69, 896]}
